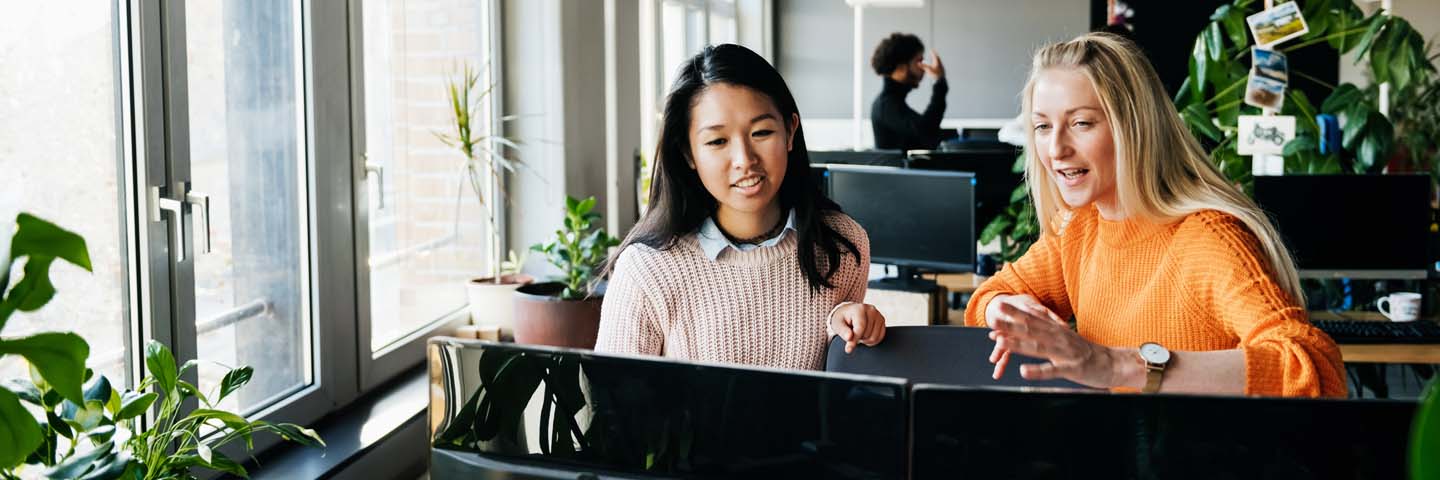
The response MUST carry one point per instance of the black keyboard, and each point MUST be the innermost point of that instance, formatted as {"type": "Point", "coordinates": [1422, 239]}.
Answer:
{"type": "Point", "coordinates": [1373, 332]}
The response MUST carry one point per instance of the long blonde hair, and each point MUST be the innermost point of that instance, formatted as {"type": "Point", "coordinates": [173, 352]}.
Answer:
{"type": "Point", "coordinates": [1162, 173]}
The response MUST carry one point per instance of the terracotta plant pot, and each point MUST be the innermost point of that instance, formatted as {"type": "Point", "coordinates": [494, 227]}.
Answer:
{"type": "Point", "coordinates": [492, 304]}
{"type": "Point", "coordinates": [542, 318]}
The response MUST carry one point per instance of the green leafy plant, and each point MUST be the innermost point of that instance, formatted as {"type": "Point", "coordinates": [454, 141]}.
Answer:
{"type": "Point", "coordinates": [171, 444]}
{"type": "Point", "coordinates": [58, 358]}
{"type": "Point", "coordinates": [483, 155]}
{"type": "Point", "coordinates": [579, 247]}
{"type": "Point", "coordinates": [1425, 435]}
{"type": "Point", "coordinates": [1015, 227]}
{"type": "Point", "coordinates": [86, 428]}
{"type": "Point", "coordinates": [1210, 99]}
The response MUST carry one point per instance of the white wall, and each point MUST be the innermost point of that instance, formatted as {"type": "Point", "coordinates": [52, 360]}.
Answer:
{"type": "Point", "coordinates": [579, 116]}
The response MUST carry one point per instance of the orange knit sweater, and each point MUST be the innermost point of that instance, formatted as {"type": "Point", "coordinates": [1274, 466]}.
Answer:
{"type": "Point", "coordinates": [1195, 285]}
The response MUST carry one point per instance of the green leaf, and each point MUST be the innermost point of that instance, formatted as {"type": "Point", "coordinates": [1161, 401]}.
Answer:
{"type": "Point", "coordinates": [1301, 144]}
{"type": "Point", "coordinates": [295, 433]}
{"type": "Point", "coordinates": [230, 420]}
{"type": "Point", "coordinates": [1425, 434]}
{"type": "Point", "coordinates": [234, 380]}
{"type": "Point", "coordinates": [91, 415]}
{"type": "Point", "coordinates": [161, 364]}
{"type": "Point", "coordinates": [21, 433]}
{"type": "Point", "coordinates": [1214, 41]}
{"type": "Point", "coordinates": [1380, 55]}
{"type": "Point", "coordinates": [98, 389]}
{"type": "Point", "coordinates": [1199, 64]}
{"type": "Point", "coordinates": [37, 237]}
{"type": "Point", "coordinates": [80, 464]}
{"type": "Point", "coordinates": [586, 205]}
{"type": "Point", "coordinates": [187, 389]}
{"type": "Point", "coordinates": [118, 464]}
{"type": "Point", "coordinates": [1199, 120]}
{"type": "Point", "coordinates": [1376, 21]}
{"type": "Point", "coordinates": [58, 424]}
{"type": "Point", "coordinates": [133, 404]}
{"type": "Point", "coordinates": [995, 229]}
{"type": "Point", "coordinates": [58, 356]}
{"type": "Point", "coordinates": [1379, 137]}
{"type": "Point", "coordinates": [1343, 96]}
{"type": "Point", "coordinates": [24, 389]}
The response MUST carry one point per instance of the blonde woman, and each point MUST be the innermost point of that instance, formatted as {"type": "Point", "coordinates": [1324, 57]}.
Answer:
{"type": "Point", "coordinates": [1176, 280]}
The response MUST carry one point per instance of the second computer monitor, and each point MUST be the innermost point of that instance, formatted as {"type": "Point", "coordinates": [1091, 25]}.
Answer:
{"type": "Point", "coordinates": [1358, 226]}
{"type": "Point", "coordinates": [915, 218]}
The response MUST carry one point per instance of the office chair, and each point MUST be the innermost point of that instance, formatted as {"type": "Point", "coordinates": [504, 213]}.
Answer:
{"type": "Point", "coordinates": [933, 354]}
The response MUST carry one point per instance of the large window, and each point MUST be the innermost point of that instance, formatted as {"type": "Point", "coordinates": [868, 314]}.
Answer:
{"type": "Point", "coordinates": [60, 159]}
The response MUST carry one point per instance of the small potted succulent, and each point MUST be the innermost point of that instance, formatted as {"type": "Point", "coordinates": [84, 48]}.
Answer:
{"type": "Point", "coordinates": [566, 312]}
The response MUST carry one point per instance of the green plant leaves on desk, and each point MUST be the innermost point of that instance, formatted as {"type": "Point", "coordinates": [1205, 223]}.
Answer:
{"type": "Point", "coordinates": [578, 248]}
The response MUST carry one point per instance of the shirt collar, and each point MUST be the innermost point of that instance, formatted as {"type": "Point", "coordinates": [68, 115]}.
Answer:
{"type": "Point", "coordinates": [713, 242]}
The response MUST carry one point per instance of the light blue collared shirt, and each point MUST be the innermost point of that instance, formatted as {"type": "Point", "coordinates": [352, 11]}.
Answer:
{"type": "Point", "coordinates": [712, 242]}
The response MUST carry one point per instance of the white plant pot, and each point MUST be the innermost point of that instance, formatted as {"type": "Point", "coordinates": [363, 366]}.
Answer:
{"type": "Point", "coordinates": [492, 304]}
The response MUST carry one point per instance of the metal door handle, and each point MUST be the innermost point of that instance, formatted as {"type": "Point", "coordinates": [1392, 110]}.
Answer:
{"type": "Point", "coordinates": [159, 205]}
{"type": "Point", "coordinates": [379, 171]}
{"type": "Point", "coordinates": [202, 225]}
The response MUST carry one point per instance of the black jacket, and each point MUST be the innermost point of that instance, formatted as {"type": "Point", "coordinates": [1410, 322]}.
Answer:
{"type": "Point", "coordinates": [897, 127]}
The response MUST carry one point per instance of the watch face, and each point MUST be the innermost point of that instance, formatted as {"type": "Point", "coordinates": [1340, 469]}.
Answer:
{"type": "Point", "coordinates": [1154, 353]}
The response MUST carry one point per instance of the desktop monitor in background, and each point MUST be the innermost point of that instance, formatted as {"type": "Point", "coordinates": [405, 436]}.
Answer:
{"type": "Point", "coordinates": [993, 165]}
{"type": "Point", "coordinates": [1087, 435]}
{"type": "Point", "coordinates": [651, 417]}
{"type": "Point", "coordinates": [879, 158]}
{"type": "Point", "coordinates": [915, 218]}
{"type": "Point", "coordinates": [1356, 226]}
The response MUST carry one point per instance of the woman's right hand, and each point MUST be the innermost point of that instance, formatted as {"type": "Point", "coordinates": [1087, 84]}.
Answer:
{"type": "Point", "coordinates": [1001, 356]}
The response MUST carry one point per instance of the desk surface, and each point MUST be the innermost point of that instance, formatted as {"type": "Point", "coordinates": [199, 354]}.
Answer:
{"type": "Point", "coordinates": [1393, 353]}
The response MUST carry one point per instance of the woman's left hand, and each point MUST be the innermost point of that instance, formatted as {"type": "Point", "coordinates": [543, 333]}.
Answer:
{"type": "Point", "coordinates": [1072, 357]}
{"type": "Point", "coordinates": [858, 323]}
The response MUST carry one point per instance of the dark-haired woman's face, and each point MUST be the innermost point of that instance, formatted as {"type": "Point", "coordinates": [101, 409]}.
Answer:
{"type": "Point", "coordinates": [740, 145]}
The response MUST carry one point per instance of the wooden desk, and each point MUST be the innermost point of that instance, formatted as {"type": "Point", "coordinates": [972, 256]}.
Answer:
{"type": "Point", "coordinates": [1390, 353]}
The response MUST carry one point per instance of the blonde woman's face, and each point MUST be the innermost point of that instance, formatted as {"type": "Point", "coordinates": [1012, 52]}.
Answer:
{"type": "Point", "coordinates": [1073, 141]}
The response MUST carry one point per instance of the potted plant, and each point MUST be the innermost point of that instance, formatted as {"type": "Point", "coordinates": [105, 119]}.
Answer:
{"type": "Point", "coordinates": [566, 313]}
{"type": "Point", "coordinates": [1210, 99]}
{"type": "Point", "coordinates": [483, 161]}
{"type": "Point", "coordinates": [85, 427]}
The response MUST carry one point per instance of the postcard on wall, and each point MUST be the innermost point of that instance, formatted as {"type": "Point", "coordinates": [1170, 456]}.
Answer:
{"type": "Point", "coordinates": [1264, 92]}
{"type": "Point", "coordinates": [1270, 64]}
{"type": "Point", "coordinates": [1264, 134]}
{"type": "Point", "coordinates": [1278, 24]}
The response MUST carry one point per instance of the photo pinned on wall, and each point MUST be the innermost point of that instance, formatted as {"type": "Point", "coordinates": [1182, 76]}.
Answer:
{"type": "Point", "coordinates": [1264, 134]}
{"type": "Point", "coordinates": [1270, 64]}
{"type": "Point", "coordinates": [1278, 24]}
{"type": "Point", "coordinates": [1264, 92]}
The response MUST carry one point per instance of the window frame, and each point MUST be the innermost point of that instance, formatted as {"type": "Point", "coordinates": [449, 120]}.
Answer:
{"type": "Point", "coordinates": [380, 366]}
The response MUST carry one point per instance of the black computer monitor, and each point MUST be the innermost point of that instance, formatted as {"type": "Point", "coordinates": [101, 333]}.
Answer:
{"type": "Point", "coordinates": [639, 416]}
{"type": "Point", "coordinates": [1008, 434]}
{"type": "Point", "coordinates": [915, 218]}
{"type": "Point", "coordinates": [1357, 226]}
{"type": "Point", "coordinates": [878, 158]}
{"type": "Point", "coordinates": [993, 165]}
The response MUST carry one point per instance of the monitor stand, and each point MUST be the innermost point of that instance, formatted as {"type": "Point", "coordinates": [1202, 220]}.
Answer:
{"type": "Point", "coordinates": [906, 279]}
{"type": "Point", "coordinates": [908, 299]}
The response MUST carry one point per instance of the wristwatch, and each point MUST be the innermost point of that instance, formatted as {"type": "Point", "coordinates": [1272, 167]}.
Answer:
{"type": "Point", "coordinates": [1155, 358]}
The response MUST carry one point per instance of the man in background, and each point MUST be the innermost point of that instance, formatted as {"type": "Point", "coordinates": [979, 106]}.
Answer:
{"type": "Point", "coordinates": [899, 60]}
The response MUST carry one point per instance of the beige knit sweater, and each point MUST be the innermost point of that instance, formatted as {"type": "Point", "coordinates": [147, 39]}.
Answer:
{"type": "Point", "coordinates": [752, 308]}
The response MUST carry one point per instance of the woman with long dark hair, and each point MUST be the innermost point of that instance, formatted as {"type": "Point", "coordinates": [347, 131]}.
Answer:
{"type": "Point", "coordinates": [740, 258]}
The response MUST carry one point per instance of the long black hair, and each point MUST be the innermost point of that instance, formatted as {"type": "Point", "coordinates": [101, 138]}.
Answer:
{"type": "Point", "coordinates": [679, 203]}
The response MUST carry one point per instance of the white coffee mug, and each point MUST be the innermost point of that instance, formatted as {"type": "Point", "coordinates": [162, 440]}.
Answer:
{"type": "Point", "coordinates": [1402, 306]}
